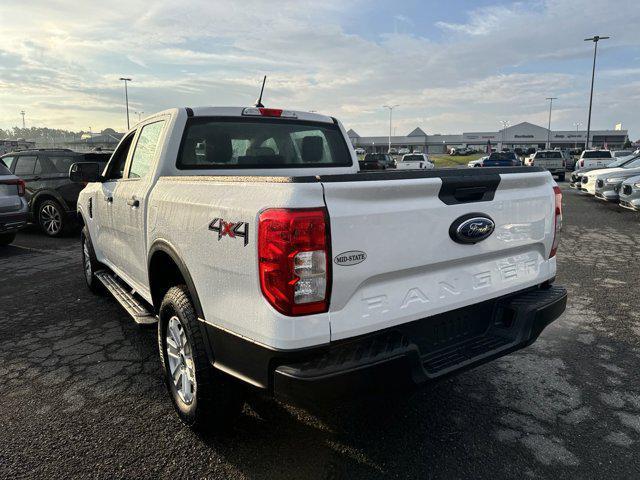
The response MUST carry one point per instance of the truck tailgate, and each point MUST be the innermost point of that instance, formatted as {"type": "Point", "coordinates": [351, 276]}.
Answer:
{"type": "Point", "coordinates": [394, 260]}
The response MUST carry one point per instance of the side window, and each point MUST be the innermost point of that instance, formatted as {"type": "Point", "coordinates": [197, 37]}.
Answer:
{"type": "Point", "coordinates": [115, 170]}
{"type": "Point", "coordinates": [25, 165]}
{"type": "Point", "coordinates": [39, 168]}
{"type": "Point", "coordinates": [62, 164]}
{"type": "Point", "coordinates": [145, 150]}
{"type": "Point", "coordinates": [8, 161]}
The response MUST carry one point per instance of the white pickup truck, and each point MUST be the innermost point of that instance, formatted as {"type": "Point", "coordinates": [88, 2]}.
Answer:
{"type": "Point", "coordinates": [270, 262]}
{"type": "Point", "coordinates": [551, 160]}
{"type": "Point", "coordinates": [594, 158]}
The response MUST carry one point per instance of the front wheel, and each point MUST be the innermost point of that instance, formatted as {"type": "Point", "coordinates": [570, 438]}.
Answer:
{"type": "Point", "coordinates": [561, 177]}
{"type": "Point", "coordinates": [202, 396]}
{"type": "Point", "coordinates": [90, 263]}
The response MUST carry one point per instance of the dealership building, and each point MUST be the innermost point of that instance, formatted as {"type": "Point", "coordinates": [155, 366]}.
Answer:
{"type": "Point", "coordinates": [523, 135]}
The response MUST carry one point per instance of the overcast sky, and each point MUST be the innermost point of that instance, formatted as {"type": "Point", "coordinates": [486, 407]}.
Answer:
{"type": "Point", "coordinates": [452, 65]}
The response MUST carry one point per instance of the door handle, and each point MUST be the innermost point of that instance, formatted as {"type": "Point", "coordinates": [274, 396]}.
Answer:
{"type": "Point", "coordinates": [133, 202]}
{"type": "Point", "coordinates": [108, 199]}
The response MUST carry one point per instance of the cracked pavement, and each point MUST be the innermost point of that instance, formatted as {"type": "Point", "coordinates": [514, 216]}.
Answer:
{"type": "Point", "coordinates": [81, 393]}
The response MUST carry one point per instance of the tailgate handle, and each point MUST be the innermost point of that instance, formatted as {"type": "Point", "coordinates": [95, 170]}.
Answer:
{"type": "Point", "coordinates": [469, 194]}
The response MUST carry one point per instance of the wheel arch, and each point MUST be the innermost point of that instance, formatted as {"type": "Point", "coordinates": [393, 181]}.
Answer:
{"type": "Point", "coordinates": [167, 269]}
{"type": "Point", "coordinates": [43, 195]}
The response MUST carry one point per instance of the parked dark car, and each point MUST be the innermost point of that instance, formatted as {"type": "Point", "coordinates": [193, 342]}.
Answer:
{"type": "Point", "coordinates": [377, 161]}
{"type": "Point", "coordinates": [50, 195]}
{"type": "Point", "coordinates": [13, 206]}
{"type": "Point", "coordinates": [502, 159]}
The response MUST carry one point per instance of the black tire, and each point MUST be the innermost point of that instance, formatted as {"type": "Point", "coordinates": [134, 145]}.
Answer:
{"type": "Point", "coordinates": [7, 239]}
{"type": "Point", "coordinates": [89, 261]}
{"type": "Point", "coordinates": [217, 398]}
{"type": "Point", "coordinates": [561, 177]}
{"type": "Point", "coordinates": [52, 218]}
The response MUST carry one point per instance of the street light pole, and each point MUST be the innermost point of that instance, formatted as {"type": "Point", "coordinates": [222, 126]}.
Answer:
{"type": "Point", "coordinates": [22, 112]}
{"type": "Point", "coordinates": [126, 98]}
{"type": "Point", "coordinates": [390, 107]}
{"type": "Point", "coordinates": [505, 125]}
{"type": "Point", "coordinates": [551, 99]}
{"type": "Point", "coordinates": [577, 125]}
{"type": "Point", "coordinates": [595, 39]}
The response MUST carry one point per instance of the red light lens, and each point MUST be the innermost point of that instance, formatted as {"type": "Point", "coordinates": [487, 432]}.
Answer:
{"type": "Point", "coordinates": [270, 112]}
{"type": "Point", "coordinates": [293, 282]}
{"type": "Point", "coordinates": [557, 221]}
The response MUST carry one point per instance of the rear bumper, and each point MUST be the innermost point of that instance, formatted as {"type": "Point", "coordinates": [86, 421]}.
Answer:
{"type": "Point", "coordinates": [404, 356]}
{"type": "Point", "coordinates": [13, 222]}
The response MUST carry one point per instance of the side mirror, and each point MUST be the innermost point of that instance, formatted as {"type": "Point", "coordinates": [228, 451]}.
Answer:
{"type": "Point", "coordinates": [84, 172]}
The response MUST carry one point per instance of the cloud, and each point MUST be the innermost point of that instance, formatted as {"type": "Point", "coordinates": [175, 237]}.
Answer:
{"type": "Point", "coordinates": [62, 62]}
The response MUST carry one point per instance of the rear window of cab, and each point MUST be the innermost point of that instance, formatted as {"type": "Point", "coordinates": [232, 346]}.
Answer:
{"type": "Point", "coordinates": [237, 143]}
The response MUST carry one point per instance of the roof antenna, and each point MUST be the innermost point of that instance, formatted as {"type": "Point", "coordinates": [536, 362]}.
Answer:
{"type": "Point", "coordinates": [259, 102]}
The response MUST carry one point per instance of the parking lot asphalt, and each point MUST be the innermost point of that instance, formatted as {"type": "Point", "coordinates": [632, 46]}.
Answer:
{"type": "Point", "coordinates": [82, 395]}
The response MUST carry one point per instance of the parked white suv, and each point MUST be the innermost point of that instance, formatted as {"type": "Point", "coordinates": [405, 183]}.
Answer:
{"type": "Point", "coordinates": [264, 254]}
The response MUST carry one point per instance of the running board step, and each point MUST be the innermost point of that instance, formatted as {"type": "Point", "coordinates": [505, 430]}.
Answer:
{"type": "Point", "coordinates": [130, 303]}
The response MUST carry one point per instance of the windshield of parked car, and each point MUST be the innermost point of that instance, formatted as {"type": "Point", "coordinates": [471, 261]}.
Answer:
{"type": "Point", "coordinates": [225, 143]}
{"type": "Point", "coordinates": [597, 154]}
{"type": "Point", "coordinates": [413, 158]}
{"type": "Point", "coordinates": [502, 156]}
{"type": "Point", "coordinates": [375, 157]}
{"type": "Point", "coordinates": [633, 163]}
{"type": "Point", "coordinates": [543, 155]}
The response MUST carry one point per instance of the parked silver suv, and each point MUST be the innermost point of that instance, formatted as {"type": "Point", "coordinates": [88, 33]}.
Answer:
{"type": "Point", "coordinates": [630, 193]}
{"type": "Point", "coordinates": [13, 207]}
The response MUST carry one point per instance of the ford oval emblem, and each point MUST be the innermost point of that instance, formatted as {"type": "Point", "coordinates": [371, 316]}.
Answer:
{"type": "Point", "coordinates": [471, 228]}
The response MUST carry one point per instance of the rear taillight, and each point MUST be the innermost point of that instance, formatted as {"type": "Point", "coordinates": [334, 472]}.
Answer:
{"type": "Point", "coordinates": [19, 183]}
{"type": "Point", "coordinates": [581, 163]}
{"type": "Point", "coordinates": [557, 221]}
{"type": "Point", "coordinates": [293, 259]}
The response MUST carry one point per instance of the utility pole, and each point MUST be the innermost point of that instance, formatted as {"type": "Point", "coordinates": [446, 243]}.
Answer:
{"type": "Point", "coordinates": [577, 125]}
{"type": "Point", "coordinates": [505, 125]}
{"type": "Point", "coordinates": [595, 39]}
{"type": "Point", "coordinates": [22, 112]}
{"type": "Point", "coordinates": [126, 98]}
{"type": "Point", "coordinates": [551, 99]}
{"type": "Point", "coordinates": [390, 107]}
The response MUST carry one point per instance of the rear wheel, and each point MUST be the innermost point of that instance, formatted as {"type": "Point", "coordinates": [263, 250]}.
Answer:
{"type": "Point", "coordinates": [51, 218]}
{"type": "Point", "coordinates": [7, 238]}
{"type": "Point", "coordinates": [202, 396]}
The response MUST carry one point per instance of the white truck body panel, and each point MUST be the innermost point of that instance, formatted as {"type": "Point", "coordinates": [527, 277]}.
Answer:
{"type": "Point", "coordinates": [406, 276]}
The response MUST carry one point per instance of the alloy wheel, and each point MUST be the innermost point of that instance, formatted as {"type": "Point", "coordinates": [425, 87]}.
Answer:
{"type": "Point", "coordinates": [180, 356]}
{"type": "Point", "coordinates": [51, 219]}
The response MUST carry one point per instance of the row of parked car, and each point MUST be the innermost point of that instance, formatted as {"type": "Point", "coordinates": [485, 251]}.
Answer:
{"type": "Point", "coordinates": [384, 161]}
{"type": "Point", "coordinates": [617, 181]}
{"type": "Point", "coordinates": [558, 162]}
{"type": "Point", "coordinates": [35, 187]}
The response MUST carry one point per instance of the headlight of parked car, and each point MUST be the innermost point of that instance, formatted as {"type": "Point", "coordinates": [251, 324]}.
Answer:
{"type": "Point", "coordinates": [637, 185]}
{"type": "Point", "coordinates": [614, 180]}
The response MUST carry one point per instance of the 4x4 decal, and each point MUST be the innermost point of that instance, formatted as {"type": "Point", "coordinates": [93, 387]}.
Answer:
{"type": "Point", "coordinates": [231, 229]}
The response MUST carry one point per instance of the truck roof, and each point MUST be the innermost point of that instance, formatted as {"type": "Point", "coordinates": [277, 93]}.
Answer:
{"type": "Point", "coordinates": [237, 112]}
